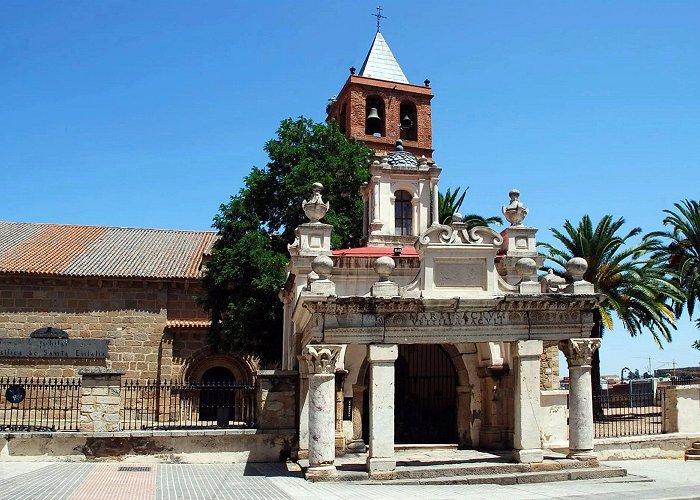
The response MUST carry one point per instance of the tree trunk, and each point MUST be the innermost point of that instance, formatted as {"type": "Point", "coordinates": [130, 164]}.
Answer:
{"type": "Point", "coordinates": [596, 333]}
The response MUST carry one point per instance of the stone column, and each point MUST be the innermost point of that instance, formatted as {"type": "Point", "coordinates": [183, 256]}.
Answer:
{"type": "Point", "coordinates": [340, 446]}
{"type": "Point", "coordinates": [302, 451]}
{"type": "Point", "coordinates": [375, 193]}
{"type": "Point", "coordinates": [357, 445]}
{"type": "Point", "coordinates": [381, 359]}
{"type": "Point", "coordinates": [321, 361]}
{"type": "Point", "coordinates": [435, 215]}
{"type": "Point", "coordinates": [464, 411]}
{"type": "Point", "coordinates": [579, 353]}
{"type": "Point", "coordinates": [526, 433]}
{"type": "Point", "coordinates": [100, 395]}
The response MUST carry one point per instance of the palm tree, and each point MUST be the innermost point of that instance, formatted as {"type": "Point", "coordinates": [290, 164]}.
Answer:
{"type": "Point", "coordinates": [451, 202]}
{"type": "Point", "coordinates": [679, 248]}
{"type": "Point", "coordinates": [635, 288]}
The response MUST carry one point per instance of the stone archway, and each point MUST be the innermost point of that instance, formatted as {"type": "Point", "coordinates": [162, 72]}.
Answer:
{"type": "Point", "coordinates": [432, 395]}
{"type": "Point", "coordinates": [197, 366]}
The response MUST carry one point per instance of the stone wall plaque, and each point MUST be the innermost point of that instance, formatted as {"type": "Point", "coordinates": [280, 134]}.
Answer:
{"type": "Point", "coordinates": [53, 348]}
{"type": "Point", "coordinates": [468, 274]}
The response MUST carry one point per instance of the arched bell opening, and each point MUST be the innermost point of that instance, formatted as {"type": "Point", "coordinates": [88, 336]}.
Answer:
{"type": "Point", "coordinates": [375, 123]}
{"type": "Point", "coordinates": [408, 124]}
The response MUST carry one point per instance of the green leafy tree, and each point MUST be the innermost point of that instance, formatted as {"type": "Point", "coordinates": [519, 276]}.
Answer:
{"type": "Point", "coordinates": [635, 288]}
{"type": "Point", "coordinates": [247, 266]}
{"type": "Point", "coordinates": [451, 202]}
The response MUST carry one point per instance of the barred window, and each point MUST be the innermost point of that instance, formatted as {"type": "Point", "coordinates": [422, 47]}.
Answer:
{"type": "Point", "coordinates": [402, 213]}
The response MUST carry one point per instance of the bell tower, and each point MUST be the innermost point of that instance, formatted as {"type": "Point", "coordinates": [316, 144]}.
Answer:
{"type": "Point", "coordinates": [379, 106]}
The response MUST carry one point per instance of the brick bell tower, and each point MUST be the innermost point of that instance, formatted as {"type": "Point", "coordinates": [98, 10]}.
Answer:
{"type": "Point", "coordinates": [379, 106]}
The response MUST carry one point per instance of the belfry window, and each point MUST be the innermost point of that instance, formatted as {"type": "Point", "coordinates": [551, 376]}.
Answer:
{"type": "Point", "coordinates": [374, 117]}
{"type": "Point", "coordinates": [342, 120]}
{"type": "Point", "coordinates": [408, 124]}
{"type": "Point", "coordinates": [402, 213]}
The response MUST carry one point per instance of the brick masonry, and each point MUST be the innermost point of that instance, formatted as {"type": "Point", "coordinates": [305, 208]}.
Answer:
{"type": "Point", "coordinates": [132, 315]}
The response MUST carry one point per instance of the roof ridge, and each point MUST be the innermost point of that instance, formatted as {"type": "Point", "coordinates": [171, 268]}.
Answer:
{"type": "Point", "coordinates": [207, 231]}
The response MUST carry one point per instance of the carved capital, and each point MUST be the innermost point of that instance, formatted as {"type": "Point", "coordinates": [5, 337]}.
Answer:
{"type": "Point", "coordinates": [579, 352]}
{"type": "Point", "coordinates": [321, 358]}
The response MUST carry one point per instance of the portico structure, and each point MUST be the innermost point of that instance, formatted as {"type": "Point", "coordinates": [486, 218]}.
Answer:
{"type": "Point", "coordinates": [440, 333]}
{"type": "Point", "coordinates": [457, 299]}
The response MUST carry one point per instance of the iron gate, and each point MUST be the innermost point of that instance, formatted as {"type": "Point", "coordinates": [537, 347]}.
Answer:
{"type": "Point", "coordinates": [425, 398]}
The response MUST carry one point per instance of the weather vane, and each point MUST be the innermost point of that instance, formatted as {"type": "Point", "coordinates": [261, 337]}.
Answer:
{"type": "Point", "coordinates": [379, 16]}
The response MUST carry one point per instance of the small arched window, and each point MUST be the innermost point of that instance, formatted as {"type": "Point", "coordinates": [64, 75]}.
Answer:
{"type": "Point", "coordinates": [408, 124]}
{"type": "Point", "coordinates": [402, 213]}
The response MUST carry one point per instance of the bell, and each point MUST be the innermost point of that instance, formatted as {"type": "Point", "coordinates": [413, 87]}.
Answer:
{"type": "Point", "coordinates": [406, 123]}
{"type": "Point", "coordinates": [373, 122]}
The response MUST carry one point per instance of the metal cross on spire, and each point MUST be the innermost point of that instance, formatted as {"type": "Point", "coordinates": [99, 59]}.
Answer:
{"type": "Point", "coordinates": [379, 16]}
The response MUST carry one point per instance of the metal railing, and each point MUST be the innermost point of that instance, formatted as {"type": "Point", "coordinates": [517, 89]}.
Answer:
{"type": "Point", "coordinates": [161, 405]}
{"type": "Point", "coordinates": [39, 404]}
{"type": "Point", "coordinates": [616, 415]}
{"type": "Point", "coordinates": [684, 381]}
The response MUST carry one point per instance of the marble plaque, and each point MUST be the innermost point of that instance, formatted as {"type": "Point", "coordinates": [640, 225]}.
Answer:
{"type": "Point", "coordinates": [53, 348]}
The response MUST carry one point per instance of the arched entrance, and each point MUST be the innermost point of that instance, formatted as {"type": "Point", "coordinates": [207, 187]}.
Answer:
{"type": "Point", "coordinates": [216, 398]}
{"type": "Point", "coordinates": [425, 396]}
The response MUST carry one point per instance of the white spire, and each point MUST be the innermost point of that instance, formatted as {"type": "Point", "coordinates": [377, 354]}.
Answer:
{"type": "Point", "coordinates": [381, 64]}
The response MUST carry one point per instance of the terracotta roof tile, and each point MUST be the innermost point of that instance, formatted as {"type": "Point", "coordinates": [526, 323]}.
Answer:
{"type": "Point", "coordinates": [188, 323]}
{"type": "Point", "coordinates": [72, 250]}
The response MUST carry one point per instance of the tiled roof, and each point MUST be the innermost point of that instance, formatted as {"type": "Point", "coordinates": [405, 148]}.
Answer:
{"type": "Point", "coordinates": [381, 63]}
{"type": "Point", "coordinates": [188, 323]}
{"type": "Point", "coordinates": [116, 252]}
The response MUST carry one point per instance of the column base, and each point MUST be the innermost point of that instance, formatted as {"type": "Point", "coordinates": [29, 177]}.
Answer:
{"type": "Point", "coordinates": [357, 446]}
{"type": "Point", "coordinates": [376, 464]}
{"type": "Point", "coordinates": [320, 472]}
{"type": "Point", "coordinates": [534, 455]}
{"type": "Point", "coordinates": [582, 455]}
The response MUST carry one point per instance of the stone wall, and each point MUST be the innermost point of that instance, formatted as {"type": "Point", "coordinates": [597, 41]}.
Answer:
{"type": "Point", "coordinates": [681, 409]}
{"type": "Point", "coordinates": [276, 397]}
{"type": "Point", "coordinates": [132, 315]}
{"type": "Point", "coordinates": [184, 446]}
{"type": "Point", "coordinates": [549, 369]}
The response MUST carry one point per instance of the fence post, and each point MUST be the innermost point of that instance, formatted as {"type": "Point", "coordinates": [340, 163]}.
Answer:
{"type": "Point", "coordinates": [100, 399]}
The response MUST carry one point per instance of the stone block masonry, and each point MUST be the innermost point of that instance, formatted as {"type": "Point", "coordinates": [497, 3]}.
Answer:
{"type": "Point", "coordinates": [100, 399]}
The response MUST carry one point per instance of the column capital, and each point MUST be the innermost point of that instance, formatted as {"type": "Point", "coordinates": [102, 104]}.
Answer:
{"type": "Point", "coordinates": [321, 358]}
{"type": "Point", "coordinates": [579, 352]}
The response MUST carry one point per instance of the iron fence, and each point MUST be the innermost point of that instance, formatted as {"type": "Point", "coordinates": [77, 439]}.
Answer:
{"type": "Point", "coordinates": [161, 405]}
{"type": "Point", "coordinates": [616, 415]}
{"type": "Point", "coordinates": [684, 381]}
{"type": "Point", "coordinates": [39, 404]}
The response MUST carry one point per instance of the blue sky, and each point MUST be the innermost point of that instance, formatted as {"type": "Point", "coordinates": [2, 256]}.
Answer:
{"type": "Point", "coordinates": [150, 113]}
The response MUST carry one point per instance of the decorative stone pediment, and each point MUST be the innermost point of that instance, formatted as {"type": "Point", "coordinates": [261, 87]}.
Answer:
{"type": "Point", "coordinates": [458, 235]}
{"type": "Point", "coordinates": [456, 262]}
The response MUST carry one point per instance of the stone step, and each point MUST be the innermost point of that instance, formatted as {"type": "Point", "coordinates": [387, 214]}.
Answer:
{"type": "Point", "coordinates": [514, 478]}
{"type": "Point", "coordinates": [696, 445]}
{"type": "Point", "coordinates": [692, 457]}
{"type": "Point", "coordinates": [692, 451]}
{"type": "Point", "coordinates": [425, 447]}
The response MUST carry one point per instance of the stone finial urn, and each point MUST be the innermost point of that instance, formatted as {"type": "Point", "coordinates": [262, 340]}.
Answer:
{"type": "Point", "coordinates": [515, 211]}
{"type": "Point", "coordinates": [314, 208]}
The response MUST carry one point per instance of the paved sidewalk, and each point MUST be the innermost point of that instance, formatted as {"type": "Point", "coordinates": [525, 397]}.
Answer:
{"type": "Point", "coordinates": [648, 479]}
